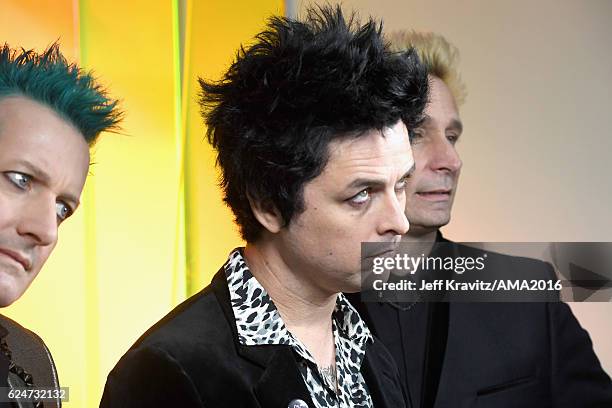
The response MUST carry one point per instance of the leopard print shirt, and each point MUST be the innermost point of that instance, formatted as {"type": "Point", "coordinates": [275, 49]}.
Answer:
{"type": "Point", "coordinates": [259, 322]}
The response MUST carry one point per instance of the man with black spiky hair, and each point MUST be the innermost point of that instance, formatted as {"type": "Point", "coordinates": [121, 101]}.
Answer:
{"type": "Point", "coordinates": [310, 126]}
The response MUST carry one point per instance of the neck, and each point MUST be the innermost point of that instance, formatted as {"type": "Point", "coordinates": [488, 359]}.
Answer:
{"type": "Point", "coordinates": [305, 310]}
{"type": "Point", "coordinates": [296, 298]}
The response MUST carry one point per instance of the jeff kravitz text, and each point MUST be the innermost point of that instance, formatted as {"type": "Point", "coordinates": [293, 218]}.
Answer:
{"type": "Point", "coordinates": [497, 285]}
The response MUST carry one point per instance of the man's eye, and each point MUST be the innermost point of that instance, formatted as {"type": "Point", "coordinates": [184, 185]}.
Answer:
{"type": "Point", "coordinates": [361, 197]}
{"type": "Point", "coordinates": [416, 133]}
{"type": "Point", "coordinates": [453, 138]}
{"type": "Point", "coordinates": [21, 180]}
{"type": "Point", "coordinates": [63, 211]}
{"type": "Point", "coordinates": [401, 185]}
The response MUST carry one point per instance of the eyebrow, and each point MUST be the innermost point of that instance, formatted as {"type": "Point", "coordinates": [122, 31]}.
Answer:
{"type": "Point", "coordinates": [455, 123]}
{"type": "Point", "coordinates": [38, 173]}
{"type": "Point", "coordinates": [368, 182]}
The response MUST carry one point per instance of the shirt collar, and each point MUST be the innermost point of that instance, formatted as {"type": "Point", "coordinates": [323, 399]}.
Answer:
{"type": "Point", "coordinates": [258, 320]}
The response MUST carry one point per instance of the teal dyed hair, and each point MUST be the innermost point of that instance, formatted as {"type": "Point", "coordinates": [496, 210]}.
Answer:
{"type": "Point", "coordinates": [49, 79]}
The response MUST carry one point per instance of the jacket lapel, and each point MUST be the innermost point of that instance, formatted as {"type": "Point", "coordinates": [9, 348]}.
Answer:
{"type": "Point", "coordinates": [281, 381]}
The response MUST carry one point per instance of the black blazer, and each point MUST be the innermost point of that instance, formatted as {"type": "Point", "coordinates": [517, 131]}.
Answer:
{"type": "Point", "coordinates": [498, 355]}
{"type": "Point", "coordinates": [192, 358]}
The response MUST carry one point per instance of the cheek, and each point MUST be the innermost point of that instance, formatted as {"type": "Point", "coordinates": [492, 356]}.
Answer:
{"type": "Point", "coordinates": [329, 231]}
{"type": "Point", "coordinates": [3, 214]}
{"type": "Point", "coordinates": [345, 241]}
{"type": "Point", "coordinates": [8, 211]}
{"type": "Point", "coordinates": [342, 227]}
{"type": "Point", "coordinates": [421, 155]}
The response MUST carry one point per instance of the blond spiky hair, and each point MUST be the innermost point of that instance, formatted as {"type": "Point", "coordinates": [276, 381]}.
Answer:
{"type": "Point", "coordinates": [439, 56]}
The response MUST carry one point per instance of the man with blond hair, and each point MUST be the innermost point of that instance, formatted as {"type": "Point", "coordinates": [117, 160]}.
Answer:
{"type": "Point", "coordinates": [475, 354]}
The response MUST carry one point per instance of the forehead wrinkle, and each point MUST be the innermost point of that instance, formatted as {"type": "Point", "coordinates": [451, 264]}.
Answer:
{"type": "Point", "coordinates": [382, 172]}
{"type": "Point", "coordinates": [366, 159]}
{"type": "Point", "coordinates": [381, 149]}
{"type": "Point", "coordinates": [376, 155]}
{"type": "Point", "coordinates": [454, 122]}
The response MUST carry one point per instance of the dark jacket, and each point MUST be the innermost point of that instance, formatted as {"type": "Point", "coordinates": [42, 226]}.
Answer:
{"type": "Point", "coordinates": [192, 358]}
{"type": "Point", "coordinates": [491, 354]}
{"type": "Point", "coordinates": [25, 362]}
{"type": "Point", "coordinates": [4, 368]}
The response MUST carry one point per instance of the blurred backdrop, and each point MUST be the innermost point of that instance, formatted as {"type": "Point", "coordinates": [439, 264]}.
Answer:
{"type": "Point", "coordinates": [152, 228]}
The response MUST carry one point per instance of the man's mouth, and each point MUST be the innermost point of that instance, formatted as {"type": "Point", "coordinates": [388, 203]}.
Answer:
{"type": "Point", "coordinates": [377, 251]}
{"type": "Point", "coordinates": [435, 195]}
{"type": "Point", "coordinates": [17, 257]}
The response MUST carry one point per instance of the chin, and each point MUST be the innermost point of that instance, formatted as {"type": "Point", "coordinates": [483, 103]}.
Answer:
{"type": "Point", "coordinates": [9, 291]}
{"type": "Point", "coordinates": [7, 297]}
{"type": "Point", "coordinates": [436, 222]}
{"type": "Point", "coordinates": [351, 285]}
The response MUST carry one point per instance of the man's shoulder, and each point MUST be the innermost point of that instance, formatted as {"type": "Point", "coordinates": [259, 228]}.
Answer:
{"type": "Point", "coordinates": [196, 328]}
{"type": "Point", "coordinates": [192, 319]}
{"type": "Point", "coordinates": [190, 358]}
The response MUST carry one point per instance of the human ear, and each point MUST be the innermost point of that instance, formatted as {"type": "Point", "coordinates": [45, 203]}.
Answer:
{"type": "Point", "coordinates": [267, 214]}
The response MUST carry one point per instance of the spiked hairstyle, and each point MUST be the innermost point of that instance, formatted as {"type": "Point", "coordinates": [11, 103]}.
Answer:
{"type": "Point", "coordinates": [49, 79]}
{"type": "Point", "coordinates": [300, 85]}
{"type": "Point", "coordinates": [438, 55]}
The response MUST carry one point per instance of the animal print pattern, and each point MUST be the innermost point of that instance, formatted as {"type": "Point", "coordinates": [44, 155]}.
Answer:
{"type": "Point", "coordinates": [259, 322]}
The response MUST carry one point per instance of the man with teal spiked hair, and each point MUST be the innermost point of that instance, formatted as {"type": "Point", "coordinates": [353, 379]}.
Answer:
{"type": "Point", "coordinates": [51, 112]}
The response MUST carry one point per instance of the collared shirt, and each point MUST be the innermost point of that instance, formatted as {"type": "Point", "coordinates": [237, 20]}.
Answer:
{"type": "Point", "coordinates": [259, 322]}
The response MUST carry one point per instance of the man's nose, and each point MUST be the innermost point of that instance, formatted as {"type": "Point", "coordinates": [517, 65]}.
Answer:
{"type": "Point", "coordinates": [444, 156]}
{"type": "Point", "coordinates": [38, 220]}
{"type": "Point", "coordinates": [393, 220]}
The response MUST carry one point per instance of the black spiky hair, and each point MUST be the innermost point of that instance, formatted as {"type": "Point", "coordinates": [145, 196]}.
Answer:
{"type": "Point", "coordinates": [299, 86]}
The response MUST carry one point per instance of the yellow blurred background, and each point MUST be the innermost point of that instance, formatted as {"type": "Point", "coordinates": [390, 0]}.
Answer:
{"type": "Point", "coordinates": [152, 228]}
